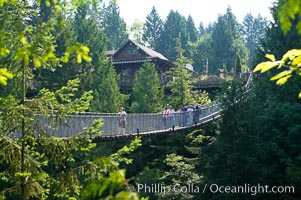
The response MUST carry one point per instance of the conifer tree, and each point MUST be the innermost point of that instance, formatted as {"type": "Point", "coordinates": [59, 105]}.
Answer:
{"type": "Point", "coordinates": [34, 164]}
{"type": "Point", "coordinates": [181, 86]}
{"type": "Point", "coordinates": [253, 31]}
{"type": "Point", "coordinates": [174, 26]}
{"type": "Point", "coordinates": [227, 42]}
{"type": "Point", "coordinates": [114, 26]}
{"type": "Point", "coordinates": [81, 28]}
{"type": "Point", "coordinates": [180, 173]}
{"type": "Point", "coordinates": [88, 32]}
{"type": "Point", "coordinates": [201, 29]}
{"type": "Point", "coordinates": [192, 32]}
{"type": "Point", "coordinates": [107, 95]}
{"type": "Point", "coordinates": [152, 28]}
{"type": "Point", "coordinates": [202, 52]}
{"type": "Point", "coordinates": [147, 94]}
{"type": "Point", "coordinates": [259, 131]}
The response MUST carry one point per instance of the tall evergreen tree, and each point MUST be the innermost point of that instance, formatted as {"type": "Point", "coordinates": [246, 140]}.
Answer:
{"type": "Point", "coordinates": [34, 164]}
{"type": "Point", "coordinates": [282, 106]}
{"type": "Point", "coordinates": [107, 95]}
{"type": "Point", "coordinates": [181, 85]}
{"type": "Point", "coordinates": [114, 26]}
{"type": "Point", "coordinates": [180, 173]}
{"type": "Point", "coordinates": [227, 42]}
{"type": "Point", "coordinates": [152, 28]}
{"type": "Point", "coordinates": [237, 147]}
{"type": "Point", "coordinates": [253, 30]}
{"type": "Point", "coordinates": [209, 28]}
{"type": "Point", "coordinates": [147, 94]}
{"type": "Point", "coordinates": [192, 32]}
{"type": "Point", "coordinates": [202, 52]}
{"type": "Point", "coordinates": [201, 29]}
{"type": "Point", "coordinates": [260, 132]}
{"type": "Point", "coordinates": [26, 158]}
{"type": "Point", "coordinates": [275, 41]}
{"type": "Point", "coordinates": [87, 32]}
{"type": "Point", "coordinates": [192, 36]}
{"type": "Point", "coordinates": [174, 25]}
{"type": "Point", "coordinates": [82, 28]}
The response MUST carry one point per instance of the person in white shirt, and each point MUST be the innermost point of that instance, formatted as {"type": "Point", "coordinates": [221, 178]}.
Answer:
{"type": "Point", "coordinates": [121, 120]}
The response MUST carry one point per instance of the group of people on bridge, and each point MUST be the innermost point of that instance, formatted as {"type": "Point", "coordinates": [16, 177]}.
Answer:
{"type": "Point", "coordinates": [187, 115]}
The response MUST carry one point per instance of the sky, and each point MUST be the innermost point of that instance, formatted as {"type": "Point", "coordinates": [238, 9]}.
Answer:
{"type": "Point", "coordinates": [204, 11]}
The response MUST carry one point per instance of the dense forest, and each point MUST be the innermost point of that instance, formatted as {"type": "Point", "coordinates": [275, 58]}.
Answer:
{"type": "Point", "coordinates": [53, 63]}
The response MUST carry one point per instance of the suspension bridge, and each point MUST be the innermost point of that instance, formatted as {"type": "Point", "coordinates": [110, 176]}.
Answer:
{"type": "Point", "coordinates": [136, 123]}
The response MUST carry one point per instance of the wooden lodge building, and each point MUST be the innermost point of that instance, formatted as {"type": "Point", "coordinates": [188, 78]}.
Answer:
{"type": "Point", "coordinates": [131, 56]}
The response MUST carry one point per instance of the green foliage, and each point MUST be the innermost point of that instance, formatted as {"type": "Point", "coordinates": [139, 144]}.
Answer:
{"type": "Point", "coordinates": [62, 101]}
{"type": "Point", "coordinates": [34, 164]}
{"type": "Point", "coordinates": [181, 86]}
{"type": "Point", "coordinates": [87, 31]}
{"type": "Point", "coordinates": [107, 95]}
{"type": "Point", "coordinates": [81, 28]}
{"type": "Point", "coordinates": [191, 30]}
{"type": "Point", "coordinates": [111, 183]}
{"type": "Point", "coordinates": [236, 148]}
{"type": "Point", "coordinates": [37, 150]}
{"type": "Point", "coordinates": [253, 31]}
{"type": "Point", "coordinates": [152, 28]}
{"type": "Point", "coordinates": [287, 12]}
{"type": "Point", "coordinates": [174, 26]}
{"type": "Point", "coordinates": [148, 164]}
{"type": "Point", "coordinates": [32, 42]}
{"type": "Point", "coordinates": [291, 60]}
{"type": "Point", "coordinates": [118, 156]}
{"type": "Point", "coordinates": [200, 97]}
{"type": "Point", "coordinates": [147, 95]}
{"type": "Point", "coordinates": [280, 120]}
{"type": "Point", "coordinates": [179, 172]}
{"type": "Point", "coordinates": [202, 53]}
{"type": "Point", "coordinates": [258, 133]}
{"type": "Point", "coordinates": [4, 75]}
{"type": "Point", "coordinates": [114, 26]}
{"type": "Point", "coordinates": [136, 31]}
{"type": "Point", "coordinates": [227, 42]}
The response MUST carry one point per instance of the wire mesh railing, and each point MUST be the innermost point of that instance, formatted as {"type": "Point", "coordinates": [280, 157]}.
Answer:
{"type": "Point", "coordinates": [135, 122]}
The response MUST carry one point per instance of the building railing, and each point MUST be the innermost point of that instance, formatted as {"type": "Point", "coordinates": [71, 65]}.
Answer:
{"type": "Point", "coordinates": [201, 79]}
{"type": "Point", "coordinates": [129, 80]}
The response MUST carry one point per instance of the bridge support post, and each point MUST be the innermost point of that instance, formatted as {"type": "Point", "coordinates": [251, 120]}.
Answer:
{"type": "Point", "coordinates": [138, 131]}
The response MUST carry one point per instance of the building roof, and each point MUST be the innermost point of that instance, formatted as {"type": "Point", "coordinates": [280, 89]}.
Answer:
{"type": "Point", "coordinates": [149, 53]}
{"type": "Point", "coordinates": [111, 52]}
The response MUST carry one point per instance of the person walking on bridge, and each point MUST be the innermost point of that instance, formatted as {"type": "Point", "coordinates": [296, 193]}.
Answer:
{"type": "Point", "coordinates": [121, 120]}
{"type": "Point", "coordinates": [184, 116]}
{"type": "Point", "coordinates": [165, 116]}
